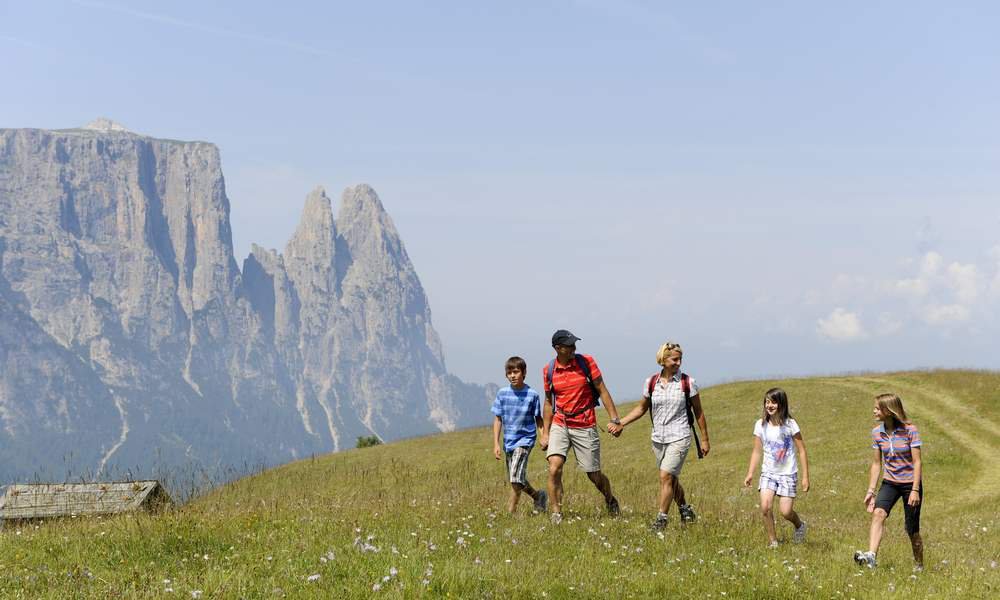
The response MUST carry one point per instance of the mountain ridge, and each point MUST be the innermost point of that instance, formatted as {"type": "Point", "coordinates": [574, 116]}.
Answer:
{"type": "Point", "coordinates": [117, 249]}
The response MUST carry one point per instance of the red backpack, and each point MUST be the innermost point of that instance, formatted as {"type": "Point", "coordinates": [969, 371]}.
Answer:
{"type": "Point", "coordinates": [686, 386]}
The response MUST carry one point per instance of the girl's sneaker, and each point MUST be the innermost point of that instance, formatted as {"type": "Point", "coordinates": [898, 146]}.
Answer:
{"type": "Point", "coordinates": [800, 533]}
{"type": "Point", "coordinates": [865, 559]}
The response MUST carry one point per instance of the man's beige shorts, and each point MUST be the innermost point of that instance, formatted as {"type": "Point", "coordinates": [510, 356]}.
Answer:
{"type": "Point", "coordinates": [670, 456]}
{"type": "Point", "coordinates": [586, 444]}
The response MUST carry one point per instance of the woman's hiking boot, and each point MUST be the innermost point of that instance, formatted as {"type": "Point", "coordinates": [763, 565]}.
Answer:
{"type": "Point", "coordinates": [613, 509]}
{"type": "Point", "coordinates": [660, 523]}
{"type": "Point", "coordinates": [687, 513]}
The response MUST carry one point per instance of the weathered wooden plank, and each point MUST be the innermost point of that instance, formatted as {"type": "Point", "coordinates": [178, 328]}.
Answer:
{"type": "Point", "coordinates": [47, 500]}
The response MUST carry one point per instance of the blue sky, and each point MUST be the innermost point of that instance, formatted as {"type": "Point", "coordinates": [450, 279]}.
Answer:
{"type": "Point", "coordinates": [784, 188]}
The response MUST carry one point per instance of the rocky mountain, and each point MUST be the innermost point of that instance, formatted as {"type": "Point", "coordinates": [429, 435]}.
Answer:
{"type": "Point", "coordinates": [132, 343]}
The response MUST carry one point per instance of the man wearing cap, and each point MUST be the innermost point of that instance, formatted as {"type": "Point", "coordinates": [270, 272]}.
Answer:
{"type": "Point", "coordinates": [572, 381]}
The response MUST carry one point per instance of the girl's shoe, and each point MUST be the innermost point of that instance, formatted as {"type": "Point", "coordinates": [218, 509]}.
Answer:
{"type": "Point", "coordinates": [800, 533]}
{"type": "Point", "coordinates": [864, 559]}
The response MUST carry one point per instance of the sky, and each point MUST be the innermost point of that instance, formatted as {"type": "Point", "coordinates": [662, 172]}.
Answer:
{"type": "Point", "coordinates": [784, 188]}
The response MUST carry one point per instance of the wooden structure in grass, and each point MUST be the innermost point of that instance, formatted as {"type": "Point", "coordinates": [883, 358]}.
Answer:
{"type": "Point", "coordinates": [50, 500]}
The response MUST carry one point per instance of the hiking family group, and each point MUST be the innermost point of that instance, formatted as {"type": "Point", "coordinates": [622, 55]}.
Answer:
{"type": "Point", "coordinates": [574, 387]}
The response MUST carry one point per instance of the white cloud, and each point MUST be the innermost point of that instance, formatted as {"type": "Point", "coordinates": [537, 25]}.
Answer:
{"type": "Point", "coordinates": [841, 326]}
{"type": "Point", "coordinates": [945, 314]}
{"type": "Point", "coordinates": [888, 324]}
{"type": "Point", "coordinates": [965, 281]}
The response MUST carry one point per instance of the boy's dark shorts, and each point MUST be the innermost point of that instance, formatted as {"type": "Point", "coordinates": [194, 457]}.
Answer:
{"type": "Point", "coordinates": [890, 492]}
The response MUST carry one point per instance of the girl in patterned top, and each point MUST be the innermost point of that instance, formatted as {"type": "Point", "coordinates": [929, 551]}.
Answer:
{"type": "Point", "coordinates": [896, 453]}
{"type": "Point", "coordinates": [774, 436]}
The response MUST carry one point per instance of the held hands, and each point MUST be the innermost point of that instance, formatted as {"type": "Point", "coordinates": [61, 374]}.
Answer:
{"type": "Point", "coordinates": [615, 430]}
{"type": "Point", "coordinates": [544, 442]}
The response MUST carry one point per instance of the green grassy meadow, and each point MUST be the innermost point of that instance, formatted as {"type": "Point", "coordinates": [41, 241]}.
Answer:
{"type": "Point", "coordinates": [425, 517]}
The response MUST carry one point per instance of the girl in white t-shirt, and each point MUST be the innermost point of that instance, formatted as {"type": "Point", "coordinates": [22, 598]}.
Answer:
{"type": "Point", "coordinates": [774, 434]}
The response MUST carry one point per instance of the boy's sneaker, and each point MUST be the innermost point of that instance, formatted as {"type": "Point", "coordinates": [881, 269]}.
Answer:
{"type": "Point", "coordinates": [660, 523]}
{"type": "Point", "coordinates": [613, 509]}
{"type": "Point", "coordinates": [865, 559]}
{"type": "Point", "coordinates": [542, 501]}
{"type": "Point", "coordinates": [800, 533]}
{"type": "Point", "coordinates": [556, 518]}
{"type": "Point", "coordinates": [687, 513]}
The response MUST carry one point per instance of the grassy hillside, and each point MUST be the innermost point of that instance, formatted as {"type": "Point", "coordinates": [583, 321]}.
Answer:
{"type": "Point", "coordinates": [424, 518]}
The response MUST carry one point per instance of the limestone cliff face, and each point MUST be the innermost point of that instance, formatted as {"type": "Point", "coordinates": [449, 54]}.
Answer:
{"type": "Point", "coordinates": [130, 339]}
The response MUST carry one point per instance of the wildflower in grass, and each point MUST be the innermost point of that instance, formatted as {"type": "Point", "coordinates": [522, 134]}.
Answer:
{"type": "Point", "coordinates": [461, 542]}
{"type": "Point", "coordinates": [196, 594]}
{"type": "Point", "coordinates": [313, 577]}
{"type": "Point", "coordinates": [376, 587]}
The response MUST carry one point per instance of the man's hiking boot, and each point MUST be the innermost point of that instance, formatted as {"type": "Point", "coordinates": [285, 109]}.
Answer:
{"type": "Point", "coordinates": [613, 509]}
{"type": "Point", "coordinates": [800, 533]}
{"type": "Point", "coordinates": [542, 501]}
{"type": "Point", "coordinates": [687, 513]}
{"type": "Point", "coordinates": [865, 559]}
{"type": "Point", "coordinates": [660, 523]}
{"type": "Point", "coordinates": [556, 518]}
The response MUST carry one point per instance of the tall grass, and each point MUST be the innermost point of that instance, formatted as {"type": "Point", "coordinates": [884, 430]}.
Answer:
{"type": "Point", "coordinates": [424, 517]}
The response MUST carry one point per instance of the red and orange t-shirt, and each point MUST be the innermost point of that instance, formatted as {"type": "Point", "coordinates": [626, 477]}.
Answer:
{"type": "Point", "coordinates": [572, 393]}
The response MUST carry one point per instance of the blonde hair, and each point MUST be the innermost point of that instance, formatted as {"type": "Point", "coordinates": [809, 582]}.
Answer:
{"type": "Point", "coordinates": [892, 405]}
{"type": "Point", "coordinates": [665, 349]}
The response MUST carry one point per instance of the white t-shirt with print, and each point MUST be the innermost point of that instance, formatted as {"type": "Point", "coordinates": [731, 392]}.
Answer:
{"type": "Point", "coordinates": [779, 449]}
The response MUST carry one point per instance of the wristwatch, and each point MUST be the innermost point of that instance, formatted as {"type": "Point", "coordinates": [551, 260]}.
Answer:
{"type": "Point", "coordinates": [616, 421]}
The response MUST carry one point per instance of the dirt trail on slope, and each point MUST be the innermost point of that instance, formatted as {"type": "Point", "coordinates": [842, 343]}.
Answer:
{"type": "Point", "coordinates": [948, 413]}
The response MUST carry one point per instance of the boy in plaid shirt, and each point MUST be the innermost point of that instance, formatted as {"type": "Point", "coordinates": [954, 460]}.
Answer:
{"type": "Point", "coordinates": [517, 414]}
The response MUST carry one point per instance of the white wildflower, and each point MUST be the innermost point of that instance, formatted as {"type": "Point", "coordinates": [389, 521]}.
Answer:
{"type": "Point", "coordinates": [196, 594]}
{"type": "Point", "coordinates": [376, 587]}
{"type": "Point", "coordinates": [313, 577]}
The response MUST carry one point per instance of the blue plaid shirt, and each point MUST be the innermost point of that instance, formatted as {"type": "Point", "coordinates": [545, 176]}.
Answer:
{"type": "Point", "coordinates": [518, 409]}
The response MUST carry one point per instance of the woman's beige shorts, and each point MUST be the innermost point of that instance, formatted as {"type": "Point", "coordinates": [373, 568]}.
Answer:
{"type": "Point", "coordinates": [586, 444]}
{"type": "Point", "coordinates": [670, 456]}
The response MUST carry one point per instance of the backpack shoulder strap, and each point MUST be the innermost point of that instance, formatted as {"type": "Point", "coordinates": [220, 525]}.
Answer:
{"type": "Point", "coordinates": [549, 372]}
{"type": "Point", "coordinates": [652, 385]}
{"type": "Point", "coordinates": [686, 386]}
{"type": "Point", "coordinates": [582, 362]}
